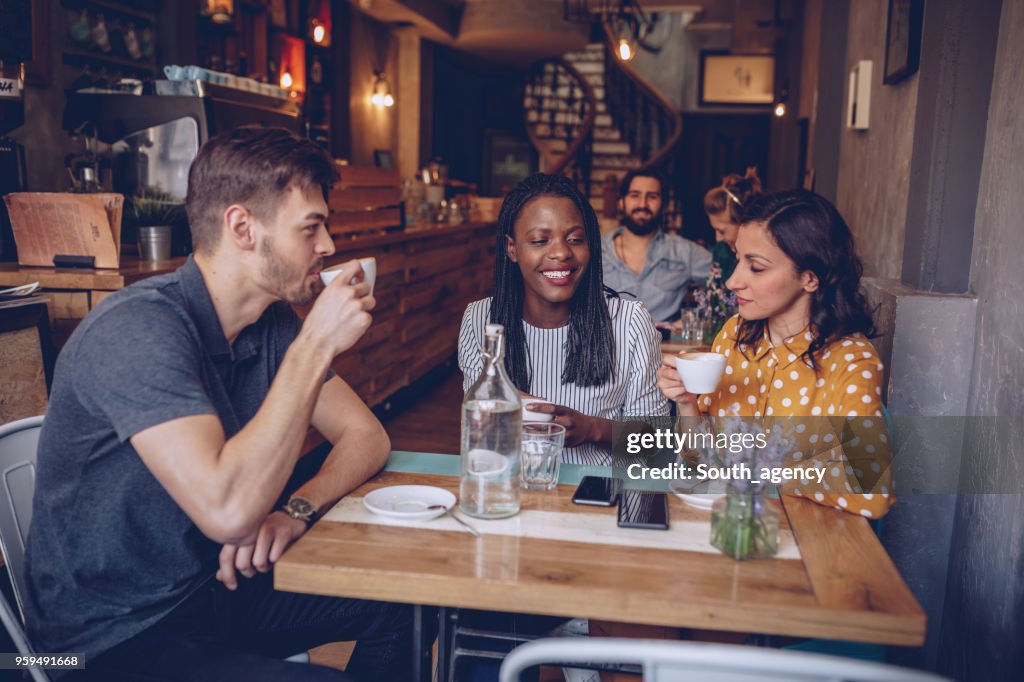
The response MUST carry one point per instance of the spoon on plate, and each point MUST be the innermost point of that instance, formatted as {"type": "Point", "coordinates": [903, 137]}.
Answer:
{"type": "Point", "coordinates": [448, 511]}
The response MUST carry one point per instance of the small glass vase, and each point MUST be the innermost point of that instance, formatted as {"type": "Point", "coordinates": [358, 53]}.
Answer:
{"type": "Point", "coordinates": [744, 526]}
{"type": "Point", "coordinates": [711, 329]}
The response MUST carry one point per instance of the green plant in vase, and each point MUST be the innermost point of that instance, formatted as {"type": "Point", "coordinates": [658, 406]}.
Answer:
{"type": "Point", "coordinates": [152, 206]}
{"type": "Point", "coordinates": [152, 212]}
{"type": "Point", "coordinates": [743, 524]}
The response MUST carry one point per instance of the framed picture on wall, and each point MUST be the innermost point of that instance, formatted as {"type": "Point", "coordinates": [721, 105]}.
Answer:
{"type": "Point", "coordinates": [508, 159]}
{"type": "Point", "coordinates": [382, 158]}
{"type": "Point", "coordinates": [902, 39]}
{"type": "Point", "coordinates": [278, 14]}
{"type": "Point", "coordinates": [736, 79]}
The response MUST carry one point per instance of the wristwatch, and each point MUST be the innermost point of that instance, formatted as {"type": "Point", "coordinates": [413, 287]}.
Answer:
{"type": "Point", "coordinates": [300, 508]}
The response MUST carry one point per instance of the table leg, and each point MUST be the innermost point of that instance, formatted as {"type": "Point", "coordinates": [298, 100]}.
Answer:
{"type": "Point", "coordinates": [443, 634]}
{"type": "Point", "coordinates": [422, 643]}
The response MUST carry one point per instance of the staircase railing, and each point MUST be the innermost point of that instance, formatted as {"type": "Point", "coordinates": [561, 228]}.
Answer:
{"type": "Point", "coordinates": [561, 106]}
{"type": "Point", "coordinates": [647, 120]}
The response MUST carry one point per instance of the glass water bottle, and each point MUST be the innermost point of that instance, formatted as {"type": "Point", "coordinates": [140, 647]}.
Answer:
{"type": "Point", "coordinates": [491, 435]}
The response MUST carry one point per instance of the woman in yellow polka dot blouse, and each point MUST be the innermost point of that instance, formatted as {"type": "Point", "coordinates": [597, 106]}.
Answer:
{"type": "Point", "coordinates": [799, 348]}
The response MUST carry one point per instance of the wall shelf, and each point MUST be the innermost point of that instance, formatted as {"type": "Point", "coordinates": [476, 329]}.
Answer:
{"type": "Point", "coordinates": [123, 9]}
{"type": "Point", "coordinates": [75, 57]}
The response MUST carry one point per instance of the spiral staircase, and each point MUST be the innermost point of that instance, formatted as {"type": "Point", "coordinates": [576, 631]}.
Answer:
{"type": "Point", "coordinates": [593, 118]}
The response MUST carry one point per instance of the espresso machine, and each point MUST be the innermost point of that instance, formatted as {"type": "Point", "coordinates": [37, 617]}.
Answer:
{"type": "Point", "coordinates": [155, 136]}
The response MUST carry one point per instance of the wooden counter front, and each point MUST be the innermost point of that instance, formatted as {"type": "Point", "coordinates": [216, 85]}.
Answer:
{"type": "Point", "coordinates": [425, 278]}
{"type": "Point", "coordinates": [73, 293]}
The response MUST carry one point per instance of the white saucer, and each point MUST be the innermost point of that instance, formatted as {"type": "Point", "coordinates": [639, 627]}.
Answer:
{"type": "Point", "coordinates": [690, 495]}
{"type": "Point", "coordinates": [700, 500]}
{"type": "Point", "coordinates": [409, 501]}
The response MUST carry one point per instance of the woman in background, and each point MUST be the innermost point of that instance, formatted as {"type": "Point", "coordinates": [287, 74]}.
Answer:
{"type": "Point", "coordinates": [724, 206]}
{"type": "Point", "coordinates": [799, 346]}
{"type": "Point", "coordinates": [593, 356]}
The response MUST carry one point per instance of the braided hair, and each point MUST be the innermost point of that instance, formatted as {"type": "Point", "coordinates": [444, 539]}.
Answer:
{"type": "Point", "coordinates": [810, 231]}
{"type": "Point", "coordinates": [590, 357]}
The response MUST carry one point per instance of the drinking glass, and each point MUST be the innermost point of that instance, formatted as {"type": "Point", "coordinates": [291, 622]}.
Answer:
{"type": "Point", "coordinates": [691, 326]}
{"type": "Point", "coordinates": [541, 453]}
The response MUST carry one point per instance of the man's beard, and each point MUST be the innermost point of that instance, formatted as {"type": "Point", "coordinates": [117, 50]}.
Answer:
{"type": "Point", "coordinates": [286, 279]}
{"type": "Point", "coordinates": [642, 229]}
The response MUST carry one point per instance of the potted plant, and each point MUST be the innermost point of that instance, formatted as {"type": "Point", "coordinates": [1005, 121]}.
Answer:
{"type": "Point", "coordinates": [152, 212]}
{"type": "Point", "coordinates": [743, 524]}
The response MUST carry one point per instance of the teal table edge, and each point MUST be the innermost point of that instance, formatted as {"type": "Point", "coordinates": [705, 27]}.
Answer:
{"type": "Point", "coordinates": [449, 465]}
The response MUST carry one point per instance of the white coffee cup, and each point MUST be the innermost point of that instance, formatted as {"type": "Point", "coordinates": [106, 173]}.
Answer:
{"type": "Point", "coordinates": [700, 372]}
{"type": "Point", "coordinates": [531, 416]}
{"type": "Point", "coordinates": [369, 266]}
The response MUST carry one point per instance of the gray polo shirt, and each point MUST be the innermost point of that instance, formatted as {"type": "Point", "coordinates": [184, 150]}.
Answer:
{"type": "Point", "coordinates": [672, 263]}
{"type": "Point", "coordinates": [109, 551]}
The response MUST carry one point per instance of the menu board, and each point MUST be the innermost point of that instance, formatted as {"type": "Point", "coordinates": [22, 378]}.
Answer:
{"type": "Point", "coordinates": [48, 224]}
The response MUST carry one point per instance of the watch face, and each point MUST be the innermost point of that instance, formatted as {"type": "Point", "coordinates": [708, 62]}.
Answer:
{"type": "Point", "coordinates": [299, 507]}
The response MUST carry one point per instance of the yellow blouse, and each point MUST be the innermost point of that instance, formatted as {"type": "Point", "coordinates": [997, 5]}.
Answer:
{"type": "Point", "coordinates": [765, 381]}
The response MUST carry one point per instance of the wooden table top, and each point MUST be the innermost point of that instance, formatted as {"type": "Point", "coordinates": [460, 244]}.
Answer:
{"type": "Point", "coordinates": [844, 586]}
{"type": "Point", "coordinates": [103, 279]}
{"type": "Point", "coordinates": [679, 346]}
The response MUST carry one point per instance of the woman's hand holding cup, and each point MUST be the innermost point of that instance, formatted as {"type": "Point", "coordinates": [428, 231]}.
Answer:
{"type": "Point", "coordinates": [672, 386]}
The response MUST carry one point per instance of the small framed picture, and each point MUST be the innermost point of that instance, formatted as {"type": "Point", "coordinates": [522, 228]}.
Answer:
{"type": "Point", "coordinates": [736, 79]}
{"type": "Point", "coordinates": [509, 158]}
{"type": "Point", "coordinates": [902, 39]}
{"type": "Point", "coordinates": [383, 158]}
{"type": "Point", "coordinates": [278, 14]}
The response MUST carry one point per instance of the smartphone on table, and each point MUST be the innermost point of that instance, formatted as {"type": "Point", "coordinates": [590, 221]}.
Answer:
{"type": "Point", "coordinates": [641, 509]}
{"type": "Point", "coordinates": [598, 490]}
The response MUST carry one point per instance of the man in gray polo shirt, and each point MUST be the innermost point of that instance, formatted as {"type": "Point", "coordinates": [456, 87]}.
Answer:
{"type": "Point", "coordinates": [178, 410]}
{"type": "Point", "coordinates": [641, 259]}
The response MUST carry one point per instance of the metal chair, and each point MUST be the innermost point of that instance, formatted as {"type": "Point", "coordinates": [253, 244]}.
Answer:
{"type": "Point", "coordinates": [18, 442]}
{"type": "Point", "coordinates": [662, 661]}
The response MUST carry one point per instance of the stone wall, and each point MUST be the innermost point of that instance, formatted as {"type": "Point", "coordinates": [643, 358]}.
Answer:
{"type": "Point", "coordinates": [984, 619]}
{"type": "Point", "coordinates": [874, 164]}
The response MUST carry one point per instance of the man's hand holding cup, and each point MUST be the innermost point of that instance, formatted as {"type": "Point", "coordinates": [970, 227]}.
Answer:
{"type": "Point", "coordinates": [341, 314]}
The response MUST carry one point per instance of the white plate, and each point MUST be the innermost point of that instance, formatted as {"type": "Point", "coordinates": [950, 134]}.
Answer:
{"type": "Point", "coordinates": [700, 500]}
{"type": "Point", "coordinates": [23, 290]}
{"type": "Point", "coordinates": [409, 501]}
{"type": "Point", "coordinates": [696, 496]}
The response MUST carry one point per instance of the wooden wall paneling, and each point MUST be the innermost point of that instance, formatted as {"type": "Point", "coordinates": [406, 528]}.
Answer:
{"type": "Point", "coordinates": [368, 176]}
{"type": "Point", "coordinates": [424, 281]}
{"type": "Point", "coordinates": [69, 305]}
{"type": "Point", "coordinates": [344, 222]}
{"type": "Point", "coordinates": [439, 261]}
{"type": "Point", "coordinates": [96, 296]}
{"type": "Point", "coordinates": [364, 198]}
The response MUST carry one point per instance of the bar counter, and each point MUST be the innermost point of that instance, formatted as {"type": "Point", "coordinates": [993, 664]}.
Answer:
{"type": "Point", "coordinates": [425, 278]}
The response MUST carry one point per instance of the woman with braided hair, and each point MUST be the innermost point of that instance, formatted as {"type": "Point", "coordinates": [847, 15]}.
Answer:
{"type": "Point", "coordinates": [593, 356]}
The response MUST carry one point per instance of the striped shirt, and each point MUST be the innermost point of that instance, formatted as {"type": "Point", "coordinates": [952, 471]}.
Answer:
{"type": "Point", "coordinates": [631, 392]}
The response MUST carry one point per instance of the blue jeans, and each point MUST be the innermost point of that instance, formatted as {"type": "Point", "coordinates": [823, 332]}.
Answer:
{"type": "Point", "coordinates": [220, 635]}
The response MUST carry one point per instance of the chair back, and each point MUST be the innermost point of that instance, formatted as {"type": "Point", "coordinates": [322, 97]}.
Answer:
{"type": "Point", "coordinates": [663, 661]}
{"type": "Point", "coordinates": [18, 443]}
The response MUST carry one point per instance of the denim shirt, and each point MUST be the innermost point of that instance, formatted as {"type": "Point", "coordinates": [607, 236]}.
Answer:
{"type": "Point", "coordinates": [672, 263]}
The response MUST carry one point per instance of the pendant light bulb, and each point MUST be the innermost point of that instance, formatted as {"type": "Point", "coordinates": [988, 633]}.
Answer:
{"type": "Point", "coordinates": [626, 52]}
